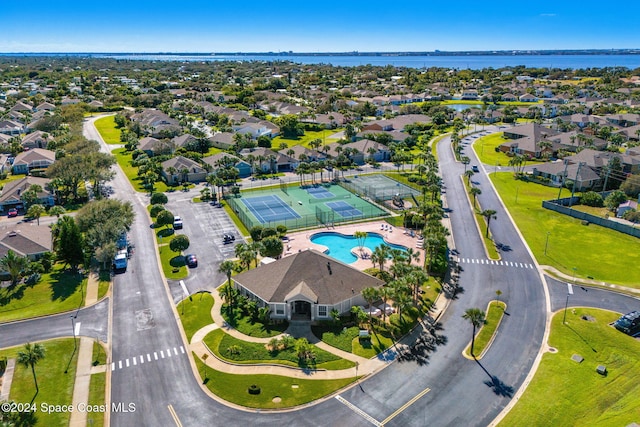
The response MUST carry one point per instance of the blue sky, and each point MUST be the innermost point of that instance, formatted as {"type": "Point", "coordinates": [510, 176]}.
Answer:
{"type": "Point", "coordinates": [320, 26]}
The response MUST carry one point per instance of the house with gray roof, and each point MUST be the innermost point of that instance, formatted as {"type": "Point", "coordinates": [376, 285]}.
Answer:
{"type": "Point", "coordinates": [185, 170]}
{"type": "Point", "coordinates": [305, 286]}
{"type": "Point", "coordinates": [38, 158]}
{"type": "Point", "coordinates": [28, 240]}
{"type": "Point", "coordinates": [37, 139]}
{"type": "Point", "coordinates": [244, 168]}
{"type": "Point", "coordinates": [13, 190]}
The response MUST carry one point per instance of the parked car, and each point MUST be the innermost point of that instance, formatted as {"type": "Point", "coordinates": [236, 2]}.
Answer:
{"type": "Point", "coordinates": [629, 323]}
{"type": "Point", "coordinates": [13, 212]}
{"type": "Point", "coordinates": [475, 168]}
{"type": "Point", "coordinates": [191, 260]}
{"type": "Point", "coordinates": [177, 223]}
{"type": "Point", "coordinates": [228, 238]}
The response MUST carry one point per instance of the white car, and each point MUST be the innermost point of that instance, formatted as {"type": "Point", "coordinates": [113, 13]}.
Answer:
{"type": "Point", "coordinates": [177, 223]}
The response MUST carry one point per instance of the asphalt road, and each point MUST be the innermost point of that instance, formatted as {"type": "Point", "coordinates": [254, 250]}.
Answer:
{"type": "Point", "coordinates": [437, 387]}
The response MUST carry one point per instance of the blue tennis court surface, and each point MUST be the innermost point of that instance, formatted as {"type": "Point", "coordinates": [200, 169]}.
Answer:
{"type": "Point", "coordinates": [320, 193]}
{"type": "Point", "coordinates": [269, 208]}
{"type": "Point", "coordinates": [344, 209]}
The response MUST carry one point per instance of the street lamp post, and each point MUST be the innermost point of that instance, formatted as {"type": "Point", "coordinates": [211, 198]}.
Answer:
{"type": "Point", "coordinates": [546, 243]}
{"type": "Point", "coordinates": [73, 328]}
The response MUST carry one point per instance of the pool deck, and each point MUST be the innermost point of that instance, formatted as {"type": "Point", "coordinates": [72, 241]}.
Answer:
{"type": "Point", "coordinates": [302, 240]}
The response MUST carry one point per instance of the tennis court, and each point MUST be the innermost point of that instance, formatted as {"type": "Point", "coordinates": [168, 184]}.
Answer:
{"type": "Point", "coordinates": [344, 209]}
{"type": "Point", "coordinates": [379, 187]}
{"type": "Point", "coordinates": [320, 192]}
{"type": "Point", "coordinates": [269, 208]}
{"type": "Point", "coordinates": [301, 207]}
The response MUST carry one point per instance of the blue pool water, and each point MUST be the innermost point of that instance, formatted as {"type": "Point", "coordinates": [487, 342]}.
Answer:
{"type": "Point", "coordinates": [340, 245]}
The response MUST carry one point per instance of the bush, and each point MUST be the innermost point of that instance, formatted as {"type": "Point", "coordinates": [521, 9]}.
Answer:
{"type": "Point", "coordinates": [591, 198]}
{"type": "Point", "coordinates": [254, 389]}
{"type": "Point", "coordinates": [159, 198]}
{"type": "Point", "coordinates": [155, 210]}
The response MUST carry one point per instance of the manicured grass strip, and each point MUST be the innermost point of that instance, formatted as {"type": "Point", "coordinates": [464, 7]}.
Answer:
{"type": "Point", "coordinates": [251, 328]}
{"type": "Point", "coordinates": [376, 345]}
{"type": "Point", "coordinates": [99, 355]}
{"type": "Point", "coordinates": [249, 352]}
{"type": "Point", "coordinates": [96, 398]}
{"type": "Point", "coordinates": [434, 144]}
{"type": "Point", "coordinates": [291, 391]}
{"type": "Point", "coordinates": [55, 292]}
{"type": "Point", "coordinates": [486, 332]}
{"type": "Point", "coordinates": [581, 396]}
{"type": "Point", "coordinates": [594, 251]}
{"type": "Point", "coordinates": [173, 264]}
{"type": "Point", "coordinates": [306, 139]}
{"type": "Point", "coordinates": [106, 126]}
{"type": "Point", "coordinates": [489, 244]}
{"type": "Point", "coordinates": [195, 313]}
{"type": "Point", "coordinates": [234, 217]}
{"type": "Point", "coordinates": [123, 158]}
{"type": "Point", "coordinates": [336, 336]}
{"type": "Point", "coordinates": [56, 387]}
{"type": "Point", "coordinates": [104, 282]}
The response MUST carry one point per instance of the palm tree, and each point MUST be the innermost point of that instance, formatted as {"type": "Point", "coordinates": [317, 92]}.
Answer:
{"type": "Point", "coordinates": [488, 214]}
{"type": "Point", "coordinates": [469, 174]}
{"type": "Point", "coordinates": [477, 318]}
{"type": "Point", "coordinates": [29, 357]}
{"type": "Point", "coordinates": [360, 236]}
{"type": "Point", "coordinates": [36, 211]}
{"type": "Point", "coordinates": [380, 255]}
{"type": "Point", "coordinates": [370, 294]}
{"type": "Point", "coordinates": [226, 292]}
{"type": "Point", "coordinates": [14, 264]}
{"type": "Point", "coordinates": [57, 211]}
{"type": "Point", "coordinates": [475, 191]}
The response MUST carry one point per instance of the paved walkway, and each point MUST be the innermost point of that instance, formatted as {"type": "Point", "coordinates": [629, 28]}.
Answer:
{"type": "Point", "coordinates": [83, 379]}
{"type": "Point", "coordinates": [92, 288]}
{"type": "Point", "coordinates": [7, 379]}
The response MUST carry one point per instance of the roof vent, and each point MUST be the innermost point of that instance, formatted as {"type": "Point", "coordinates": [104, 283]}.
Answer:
{"type": "Point", "coordinates": [329, 267]}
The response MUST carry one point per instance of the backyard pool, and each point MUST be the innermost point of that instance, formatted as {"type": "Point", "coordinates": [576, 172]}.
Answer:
{"type": "Point", "coordinates": [340, 245]}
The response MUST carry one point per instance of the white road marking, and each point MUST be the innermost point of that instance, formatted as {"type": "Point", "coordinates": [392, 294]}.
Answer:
{"type": "Point", "coordinates": [162, 354]}
{"type": "Point", "coordinates": [148, 357]}
{"type": "Point", "coordinates": [119, 364]}
{"type": "Point", "coordinates": [155, 355]}
{"type": "Point", "coordinates": [175, 350]}
{"type": "Point", "coordinates": [141, 359]}
{"type": "Point", "coordinates": [135, 361]}
{"type": "Point", "coordinates": [127, 362]}
{"type": "Point", "coordinates": [77, 329]}
{"type": "Point", "coordinates": [358, 411]}
{"type": "Point", "coordinates": [182, 349]}
{"type": "Point", "coordinates": [169, 352]}
{"type": "Point", "coordinates": [113, 366]}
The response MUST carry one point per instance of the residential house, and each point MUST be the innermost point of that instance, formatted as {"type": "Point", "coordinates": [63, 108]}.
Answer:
{"type": "Point", "coordinates": [307, 285]}
{"type": "Point", "coordinates": [37, 139]}
{"type": "Point", "coordinates": [368, 149]}
{"type": "Point", "coordinates": [12, 191]}
{"type": "Point", "coordinates": [21, 106]}
{"type": "Point", "coordinates": [38, 158]}
{"type": "Point", "coordinates": [45, 106]}
{"type": "Point", "coordinates": [222, 140]}
{"type": "Point", "coordinates": [184, 169]}
{"type": "Point", "coordinates": [28, 240]}
{"type": "Point", "coordinates": [11, 127]}
{"type": "Point", "coordinates": [5, 164]}
{"type": "Point", "coordinates": [583, 176]}
{"type": "Point", "coordinates": [155, 147]}
{"type": "Point", "coordinates": [271, 161]}
{"type": "Point", "coordinates": [526, 139]}
{"type": "Point", "coordinates": [156, 123]}
{"type": "Point", "coordinates": [244, 168]}
{"type": "Point", "coordinates": [527, 97]}
{"type": "Point", "coordinates": [574, 141]}
{"type": "Point", "coordinates": [183, 140]}
{"type": "Point", "coordinates": [300, 152]}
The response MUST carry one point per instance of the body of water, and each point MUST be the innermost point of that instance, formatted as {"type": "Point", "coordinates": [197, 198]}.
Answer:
{"type": "Point", "coordinates": [475, 62]}
{"type": "Point", "coordinates": [340, 245]}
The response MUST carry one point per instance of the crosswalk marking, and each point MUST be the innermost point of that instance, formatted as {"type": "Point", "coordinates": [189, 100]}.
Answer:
{"type": "Point", "coordinates": [133, 361]}
{"type": "Point", "coordinates": [358, 411]}
{"type": "Point", "coordinates": [514, 264]}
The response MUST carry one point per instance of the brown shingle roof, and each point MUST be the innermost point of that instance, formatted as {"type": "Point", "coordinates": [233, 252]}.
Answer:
{"type": "Point", "coordinates": [309, 273]}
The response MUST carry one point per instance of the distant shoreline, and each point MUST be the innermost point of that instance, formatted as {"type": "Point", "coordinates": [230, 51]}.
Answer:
{"type": "Point", "coordinates": [558, 52]}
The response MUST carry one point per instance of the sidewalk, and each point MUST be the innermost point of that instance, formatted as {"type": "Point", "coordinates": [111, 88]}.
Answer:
{"type": "Point", "coordinates": [83, 379]}
{"type": "Point", "coordinates": [92, 288]}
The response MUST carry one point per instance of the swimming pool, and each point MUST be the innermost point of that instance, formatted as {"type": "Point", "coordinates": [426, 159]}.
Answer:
{"type": "Point", "coordinates": [340, 245]}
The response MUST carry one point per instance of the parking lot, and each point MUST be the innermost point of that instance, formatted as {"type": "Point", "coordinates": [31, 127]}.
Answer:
{"type": "Point", "coordinates": [205, 225]}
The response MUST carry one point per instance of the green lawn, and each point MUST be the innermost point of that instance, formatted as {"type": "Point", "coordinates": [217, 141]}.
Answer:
{"type": "Point", "coordinates": [291, 391]}
{"type": "Point", "coordinates": [173, 264]}
{"type": "Point", "coordinates": [98, 355]}
{"type": "Point", "coordinates": [489, 244]}
{"type": "Point", "coordinates": [195, 313]}
{"type": "Point", "coordinates": [103, 283]}
{"type": "Point", "coordinates": [220, 342]}
{"type": "Point", "coordinates": [97, 388]}
{"type": "Point", "coordinates": [123, 158]}
{"type": "Point", "coordinates": [486, 333]}
{"type": "Point", "coordinates": [56, 387]}
{"type": "Point", "coordinates": [485, 148]}
{"type": "Point", "coordinates": [580, 396]}
{"type": "Point", "coordinates": [378, 343]}
{"type": "Point", "coordinates": [254, 328]}
{"type": "Point", "coordinates": [56, 292]}
{"type": "Point", "coordinates": [306, 138]}
{"type": "Point", "coordinates": [595, 251]}
{"type": "Point", "coordinates": [107, 128]}
{"type": "Point", "coordinates": [479, 103]}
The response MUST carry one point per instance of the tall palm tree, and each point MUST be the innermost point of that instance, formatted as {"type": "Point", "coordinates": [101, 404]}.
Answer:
{"type": "Point", "coordinates": [227, 267]}
{"type": "Point", "coordinates": [57, 211]}
{"type": "Point", "coordinates": [469, 173]}
{"type": "Point", "coordinates": [488, 214]}
{"type": "Point", "coordinates": [29, 357]}
{"type": "Point", "coordinates": [370, 294]}
{"type": "Point", "coordinates": [36, 211]}
{"type": "Point", "coordinates": [475, 192]}
{"type": "Point", "coordinates": [477, 318]}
